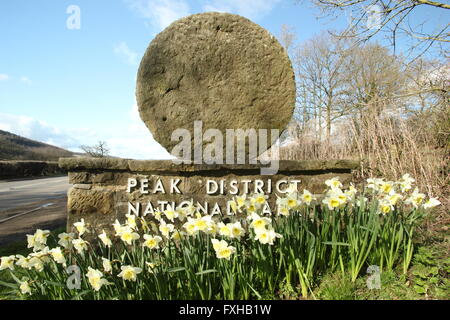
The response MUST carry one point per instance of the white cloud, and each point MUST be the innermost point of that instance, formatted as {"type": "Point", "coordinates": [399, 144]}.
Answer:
{"type": "Point", "coordinates": [252, 9]}
{"type": "Point", "coordinates": [3, 77]}
{"type": "Point", "coordinates": [134, 141]}
{"type": "Point", "coordinates": [123, 51]}
{"type": "Point", "coordinates": [25, 80]}
{"type": "Point", "coordinates": [160, 12]}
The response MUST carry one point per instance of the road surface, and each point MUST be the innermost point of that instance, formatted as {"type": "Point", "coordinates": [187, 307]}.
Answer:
{"type": "Point", "coordinates": [27, 205]}
{"type": "Point", "coordinates": [15, 194]}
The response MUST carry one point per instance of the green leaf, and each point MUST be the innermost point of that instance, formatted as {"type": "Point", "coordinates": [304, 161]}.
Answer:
{"type": "Point", "coordinates": [57, 284]}
{"type": "Point", "coordinates": [205, 272]}
{"type": "Point", "coordinates": [333, 243]}
{"type": "Point", "coordinates": [178, 269]}
{"type": "Point", "coordinates": [82, 293]}
{"type": "Point", "coordinates": [256, 292]}
{"type": "Point", "coordinates": [14, 277]}
{"type": "Point", "coordinates": [9, 285]}
{"type": "Point", "coordinates": [419, 289]}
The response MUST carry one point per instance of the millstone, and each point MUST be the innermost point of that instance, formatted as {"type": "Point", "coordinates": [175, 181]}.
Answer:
{"type": "Point", "coordinates": [218, 68]}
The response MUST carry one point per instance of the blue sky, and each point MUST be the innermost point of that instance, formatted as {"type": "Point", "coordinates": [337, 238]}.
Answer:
{"type": "Point", "coordinates": [70, 87]}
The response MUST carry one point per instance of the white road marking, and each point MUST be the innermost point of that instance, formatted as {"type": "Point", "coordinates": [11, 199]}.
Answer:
{"type": "Point", "coordinates": [26, 212]}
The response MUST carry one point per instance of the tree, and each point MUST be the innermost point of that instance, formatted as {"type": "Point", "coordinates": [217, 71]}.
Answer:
{"type": "Point", "coordinates": [99, 150]}
{"type": "Point", "coordinates": [373, 78]}
{"type": "Point", "coordinates": [287, 37]}
{"type": "Point", "coordinates": [395, 18]}
{"type": "Point", "coordinates": [319, 66]}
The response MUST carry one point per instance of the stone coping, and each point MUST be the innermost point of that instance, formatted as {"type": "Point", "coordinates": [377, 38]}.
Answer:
{"type": "Point", "coordinates": [167, 166]}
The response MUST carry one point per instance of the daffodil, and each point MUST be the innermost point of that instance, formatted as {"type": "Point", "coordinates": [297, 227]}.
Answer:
{"type": "Point", "coordinates": [95, 278]}
{"type": "Point", "coordinates": [283, 211]}
{"type": "Point", "coordinates": [189, 210]}
{"type": "Point", "coordinates": [292, 201]}
{"type": "Point", "coordinates": [250, 207]}
{"type": "Point", "coordinates": [151, 242]}
{"type": "Point", "coordinates": [150, 266]}
{"type": "Point", "coordinates": [393, 197]}
{"type": "Point", "coordinates": [38, 240]}
{"type": "Point", "coordinates": [406, 182]}
{"type": "Point", "coordinates": [374, 183]}
{"type": "Point", "coordinates": [38, 259]}
{"type": "Point", "coordinates": [165, 228]}
{"type": "Point", "coordinates": [7, 262]}
{"type": "Point", "coordinates": [222, 249]}
{"type": "Point", "coordinates": [65, 239]}
{"type": "Point", "coordinates": [37, 263]}
{"type": "Point", "coordinates": [386, 187]}
{"type": "Point", "coordinates": [42, 254]}
{"type": "Point", "coordinates": [431, 203]}
{"type": "Point", "coordinates": [259, 199]}
{"type": "Point", "coordinates": [259, 222]}
{"type": "Point", "coordinates": [307, 197]}
{"type": "Point", "coordinates": [416, 198]}
{"type": "Point", "coordinates": [266, 236]}
{"type": "Point", "coordinates": [281, 201]}
{"type": "Point", "coordinates": [144, 225]}
{"type": "Point", "coordinates": [334, 183]}
{"type": "Point", "coordinates": [190, 226]}
{"type": "Point", "coordinates": [224, 229]}
{"type": "Point", "coordinates": [129, 236]}
{"type": "Point", "coordinates": [24, 262]}
{"type": "Point", "coordinates": [157, 215]}
{"type": "Point", "coordinates": [58, 256]}
{"type": "Point", "coordinates": [212, 228]}
{"type": "Point", "coordinates": [25, 287]}
{"type": "Point", "coordinates": [236, 230]}
{"type": "Point", "coordinates": [241, 201]}
{"type": "Point", "coordinates": [81, 227]}
{"type": "Point", "coordinates": [129, 273]}
{"type": "Point", "coordinates": [205, 224]}
{"type": "Point", "coordinates": [80, 245]}
{"type": "Point", "coordinates": [105, 239]}
{"type": "Point", "coordinates": [385, 206]}
{"type": "Point", "coordinates": [170, 214]}
{"type": "Point", "coordinates": [177, 235]}
{"type": "Point", "coordinates": [107, 267]}
{"type": "Point", "coordinates": [131, 221]}
{"type": "Point", "coordinates": [332, 202]}
{"type": "Point", "coordinates": [118, 228]}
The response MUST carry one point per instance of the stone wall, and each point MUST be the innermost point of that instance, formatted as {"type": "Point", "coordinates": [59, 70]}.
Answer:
{"type": "Point", "coordinates": [100, 186]}
{"type": "Point", "coordinates": [19, 169]}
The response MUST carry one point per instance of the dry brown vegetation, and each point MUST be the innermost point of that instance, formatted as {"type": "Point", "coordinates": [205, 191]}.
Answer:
{"type": "Point", "coordinates": [363, 102]}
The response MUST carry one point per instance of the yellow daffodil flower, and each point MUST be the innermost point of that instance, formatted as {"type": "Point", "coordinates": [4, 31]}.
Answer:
{"type": "Point", "coordinates": [151, 242]}
{"type": "Point", "coordinates": [129, 273]}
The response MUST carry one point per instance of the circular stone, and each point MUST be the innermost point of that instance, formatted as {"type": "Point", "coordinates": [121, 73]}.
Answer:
{"type": "Point", "coordinates": [218, 68]}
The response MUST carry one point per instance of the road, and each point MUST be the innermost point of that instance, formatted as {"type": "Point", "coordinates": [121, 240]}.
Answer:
{"type": "Point", "coordinates": [15, 194]}
{"type": "Point", "coordinates": [27, 205]}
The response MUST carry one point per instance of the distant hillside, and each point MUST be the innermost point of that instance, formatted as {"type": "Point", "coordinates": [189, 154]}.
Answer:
{"type": "Point", "coordinates": [14, 147]}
